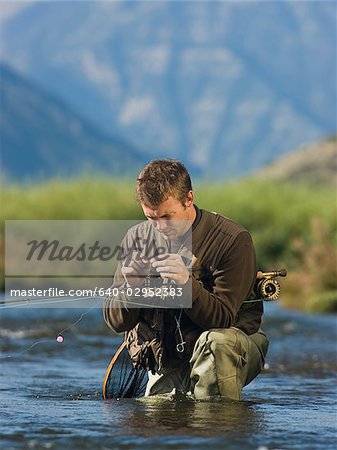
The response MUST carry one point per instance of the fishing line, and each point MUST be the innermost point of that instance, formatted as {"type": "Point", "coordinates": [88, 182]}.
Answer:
{"type": "Point", "coordinates": [77, 321]}
{"type": "Point", "coordinates": [59, 337]}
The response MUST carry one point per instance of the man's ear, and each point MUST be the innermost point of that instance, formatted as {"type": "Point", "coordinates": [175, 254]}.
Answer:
{"type": "Point", "coordinates": [189, 198]}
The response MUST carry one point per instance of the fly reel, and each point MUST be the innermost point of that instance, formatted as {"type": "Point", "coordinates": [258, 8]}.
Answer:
{"type": "Point", "coordinates": [268, 289]}
{"type": "Point", "coordinates": [266, 286]}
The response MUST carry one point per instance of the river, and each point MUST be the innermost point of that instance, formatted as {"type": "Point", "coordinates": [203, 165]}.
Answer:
{"type": "Point", "coordinates": [51, 392]}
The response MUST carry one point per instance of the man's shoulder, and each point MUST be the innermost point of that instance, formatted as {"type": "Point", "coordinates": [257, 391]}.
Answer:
{"type": "Point", "coordinates": [221, 223]}
{"type": "Point", "coordinates": [216, 235]}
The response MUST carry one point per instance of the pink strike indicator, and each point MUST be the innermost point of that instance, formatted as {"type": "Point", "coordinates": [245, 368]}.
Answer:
{"type": "Point", "coordinates": [59, 339]}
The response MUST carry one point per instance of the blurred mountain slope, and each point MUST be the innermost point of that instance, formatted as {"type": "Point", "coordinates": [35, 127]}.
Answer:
{"type": "Point", "coordinates": [314, 164]}
{"type": "Point", "coordinates": [42, 137]}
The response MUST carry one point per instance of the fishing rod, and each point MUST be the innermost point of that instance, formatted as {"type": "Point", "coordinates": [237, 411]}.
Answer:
{"type": "Point", "coordinates": [266, 288]}
{"type": "Point", "coordinates": [36, 301]}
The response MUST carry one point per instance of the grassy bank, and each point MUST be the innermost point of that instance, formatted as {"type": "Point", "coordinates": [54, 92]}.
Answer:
{"type": "Point", "coordinates": [293, 226]}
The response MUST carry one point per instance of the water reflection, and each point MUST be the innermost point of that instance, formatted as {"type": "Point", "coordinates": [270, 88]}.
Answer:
{"type": "Point", "coordinates": [158, 415]}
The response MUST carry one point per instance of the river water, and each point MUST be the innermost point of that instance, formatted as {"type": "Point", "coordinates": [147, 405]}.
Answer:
{"type": "Point", "coordinates": [51, 392]}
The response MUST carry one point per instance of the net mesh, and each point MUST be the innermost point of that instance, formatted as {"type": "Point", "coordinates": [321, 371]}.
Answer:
{"type": "Point", "coordinates": [125, 381]}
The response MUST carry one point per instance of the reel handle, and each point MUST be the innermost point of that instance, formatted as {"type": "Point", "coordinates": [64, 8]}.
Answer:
{"type": "Point", "coordinates": [272, 274]}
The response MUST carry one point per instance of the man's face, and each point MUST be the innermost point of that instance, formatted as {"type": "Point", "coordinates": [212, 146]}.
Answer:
{"type": "Point", "coordinates": [171, 217]}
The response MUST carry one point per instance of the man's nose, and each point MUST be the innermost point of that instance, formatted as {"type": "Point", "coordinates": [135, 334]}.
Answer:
{"type": "Point", "coordinates": [161, 224]}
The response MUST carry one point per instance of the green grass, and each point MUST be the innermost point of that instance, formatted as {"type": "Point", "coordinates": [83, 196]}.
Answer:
{"type": "Point", "coordinates": [275, 213]}
{"type": "Point", "coordinates": [81, 198]}
{"type": "Point", "coordinates": [293, 225]}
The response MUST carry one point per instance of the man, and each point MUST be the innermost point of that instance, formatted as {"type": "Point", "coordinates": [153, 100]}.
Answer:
{"type": "Point", "coordinates": [214, 346]}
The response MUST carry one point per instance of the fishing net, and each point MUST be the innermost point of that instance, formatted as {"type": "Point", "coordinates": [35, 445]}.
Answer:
{"type": "Point", "coordinates": [122, 380]}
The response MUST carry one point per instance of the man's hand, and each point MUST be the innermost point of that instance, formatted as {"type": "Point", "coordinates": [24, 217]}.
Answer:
{"type": "Point", "coordinates": [171, 266]}
{"type": "Point", "coordinates": [136, 270]}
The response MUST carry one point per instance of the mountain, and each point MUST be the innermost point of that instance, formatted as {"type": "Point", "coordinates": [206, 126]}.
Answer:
{"type": "Point", "coordinates": [314, 164]}
{"type": "Point", "coordinates": [227, 86]}
{"type": "Point", "coordinates": [41, 136]}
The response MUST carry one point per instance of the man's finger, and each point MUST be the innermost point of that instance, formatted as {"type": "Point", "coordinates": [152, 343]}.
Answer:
{"type": "Point", "coordinates": [167, 261]}
{"type": "Point", "coordinates": [169, 269]}
{"type": "Point", "coordinates": [179, 278]}
{"type": "Point", "coordinates": [135, 265]}
{"type": "Point", "coordinates": [128, 270]}
{"type": "Point", "coordinates": [164, 257]}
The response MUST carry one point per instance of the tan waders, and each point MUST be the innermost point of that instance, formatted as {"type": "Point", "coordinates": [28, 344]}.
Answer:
{"type": "Point", "coordinates": [223, 362]}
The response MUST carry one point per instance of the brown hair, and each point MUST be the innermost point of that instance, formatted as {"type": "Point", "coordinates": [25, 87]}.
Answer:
{"type": "Point", "coordinates": [161, 179]}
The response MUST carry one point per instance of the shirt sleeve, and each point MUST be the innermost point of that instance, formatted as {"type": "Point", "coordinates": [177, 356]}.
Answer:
{"type": "Point", "coordinates": [233, 281]}
{"type": "Point", "coordinates": [118, 312]}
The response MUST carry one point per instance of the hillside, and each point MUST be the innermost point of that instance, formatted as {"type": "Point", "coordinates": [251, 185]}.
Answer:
{"type": "Point", "coordinates": [227, 86]}
{"type": "Point", "coordinates": [314, 164]}
{"type": "Point", "coordinates": [41, 137]}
